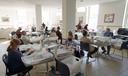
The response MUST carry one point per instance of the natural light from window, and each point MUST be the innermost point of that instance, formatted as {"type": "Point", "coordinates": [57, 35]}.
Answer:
{"type": "Point", "coordinates": [93, 17]}
{"type": "Point", "coordinates": [81, 9]}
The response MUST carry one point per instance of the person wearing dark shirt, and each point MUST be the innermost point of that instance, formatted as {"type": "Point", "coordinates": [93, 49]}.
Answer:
{"type": "Point", "coordinates": [107, 33]}
{"type": "Point", "coordinates": [14, 59]}
{"type": "Point", "coordinates": [46, 31]}
{"type": "Point", "coordinates": [59, 34]}
{"type": "Point", "coordinates": [33, 29]}
{"type": "Point", "coordinates": [86, 27]}
{"type": "Point", "coordinates": [43, 25]}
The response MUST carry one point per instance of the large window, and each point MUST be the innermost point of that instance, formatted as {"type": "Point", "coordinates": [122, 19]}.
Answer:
{"type": "Point", "coordinates": [92, 17]}
{"type": "Point", "coordinates": [89, 15]}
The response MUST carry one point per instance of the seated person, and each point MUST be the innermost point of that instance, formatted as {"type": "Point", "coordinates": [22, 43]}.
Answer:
{"type": "Point", "coordinates": [79, 35]}
{"type": "Point", "coordinates": [14, 59]}
{"type": "Point", "coordinates": [86, 27]}
{"type": "Point", "coordinates": [87, 44]}
{"type": "Point", "coordinates": [46, 31]}
{"type": "Point", "coordinates": [53, 32]}
{"type": "Point", "coordinates": [107, 33]}
{"type": "Point", "coordinates": [76, 37]}
{"type": "Point", "coordinates": [33, 29]}
{"type": "Point", "coordinates": [25, 38]}
{"type": "Point", "coordinates": [19, 33]}
{"type": "Point", "coordinates": [14, 36]}
{"type": "Point", "coordinates": [59, 34]}
{"type": "Point", "coordinates": [70, 37]}
{"type": "Point", "coordinates": [76, 41]}
{"type": "Point", "coordinates": [79, 27]}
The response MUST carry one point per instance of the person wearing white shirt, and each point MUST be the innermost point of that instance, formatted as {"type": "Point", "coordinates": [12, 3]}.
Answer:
{"type": "Point", "coordinates": [25, 39]}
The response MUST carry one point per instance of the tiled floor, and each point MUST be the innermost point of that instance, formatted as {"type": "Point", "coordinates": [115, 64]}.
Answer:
{"type": "Point", "coordinates": [103, 66]}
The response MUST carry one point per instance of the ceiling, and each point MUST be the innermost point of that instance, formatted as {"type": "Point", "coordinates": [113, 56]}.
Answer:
{"type": "Point", "coordinates": [52, 3]}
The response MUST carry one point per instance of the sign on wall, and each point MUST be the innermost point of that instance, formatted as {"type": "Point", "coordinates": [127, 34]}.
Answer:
{"type": "Point", "coordinates": [5, 19]}
{"type": "Point", "coordinates": [109, 18]}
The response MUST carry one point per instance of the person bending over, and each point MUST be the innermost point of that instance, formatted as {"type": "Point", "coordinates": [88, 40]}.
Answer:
{"type": "Point", "coordinates": [85, 44]}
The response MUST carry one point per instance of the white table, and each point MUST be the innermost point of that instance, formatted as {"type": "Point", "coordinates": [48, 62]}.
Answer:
{"type": "Point", "coordinates": [33, 33]}
{"type": "Point", "coordinates": [36, 47]}
{"type": "Point", "coordinates": [102, 41]}
{"type": "Point", "coordinates": [36, 39]}
{"type": "Point", "coordinates": [44, 56]}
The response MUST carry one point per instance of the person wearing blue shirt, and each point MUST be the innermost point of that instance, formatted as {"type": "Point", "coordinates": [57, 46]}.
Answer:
{"type": "Point", "coordinates": [15, 63]}
{"type": "Point", "coordinates": [107, 33]}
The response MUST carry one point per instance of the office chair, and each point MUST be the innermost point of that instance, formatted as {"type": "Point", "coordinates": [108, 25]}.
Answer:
{"type": "Point", "coordinates": [62, 68]}
{"type": "Point", "coordinates": [8, 73]}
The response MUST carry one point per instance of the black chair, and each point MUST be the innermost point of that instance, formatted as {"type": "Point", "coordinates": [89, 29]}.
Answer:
{"type": "Point", "coordinates": [8, 73]}
{"type": "Point", "coordinates": [62, 68]}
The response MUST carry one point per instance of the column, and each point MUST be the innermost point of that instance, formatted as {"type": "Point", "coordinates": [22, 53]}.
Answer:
{"type": "Point", "coordinates": [68, 16]}
{"type": "Point", "coordinates": [125, 21]}
{"type": "Point", "coordinates": [38, 13]}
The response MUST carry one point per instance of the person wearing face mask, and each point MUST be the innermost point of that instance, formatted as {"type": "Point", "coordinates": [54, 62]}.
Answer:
{"type": "Point", "coordinates": [15, 63]}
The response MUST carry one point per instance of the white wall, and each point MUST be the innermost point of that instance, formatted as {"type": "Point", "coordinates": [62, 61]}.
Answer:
{"type": "Point", "coordinates": [18, 16]}
{"type": "Point", "coordinates": [112, 7]}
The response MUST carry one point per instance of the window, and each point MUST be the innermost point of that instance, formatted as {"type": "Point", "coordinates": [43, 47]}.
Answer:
{"type": "Point", "coordinates": [92, 17]}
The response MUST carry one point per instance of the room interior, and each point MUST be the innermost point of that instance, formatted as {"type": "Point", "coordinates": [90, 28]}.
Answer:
{"type": "Point", "coordinates": [67, 14]}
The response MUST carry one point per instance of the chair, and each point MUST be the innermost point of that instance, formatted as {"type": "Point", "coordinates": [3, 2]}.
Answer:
{"type": "Point", "coordinates": [8, 73]}
{"type": "Point", "coordinates": [62, 68]}
{"type": "Point", "coordinates": [70, 66]}
{"type": "Point", "coordinates": [123, 47]}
